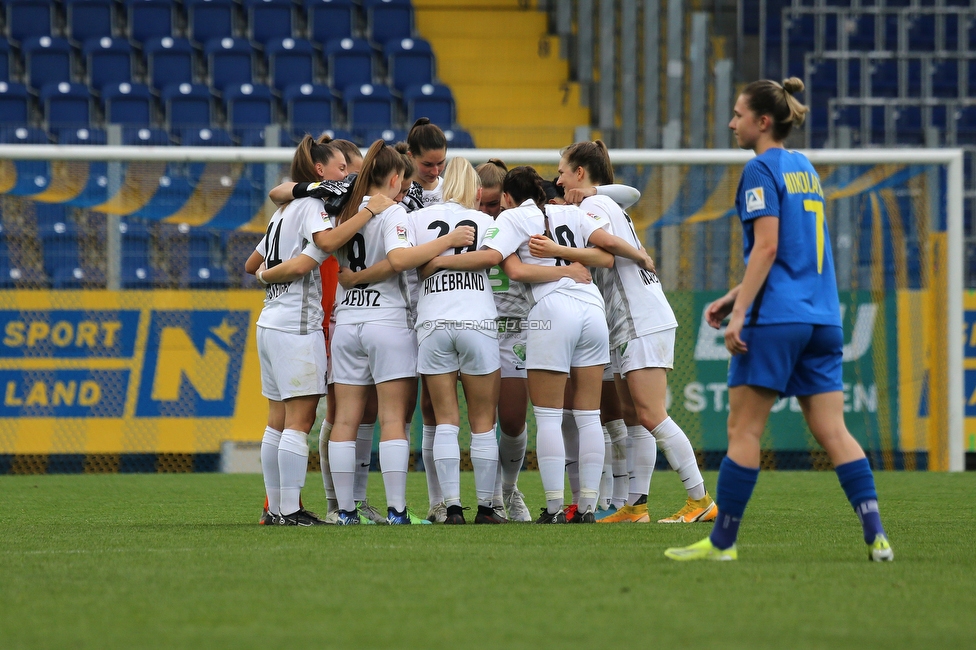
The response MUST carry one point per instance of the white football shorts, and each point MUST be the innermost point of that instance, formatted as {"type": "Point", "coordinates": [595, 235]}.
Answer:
{"type": "Point", "coordinates": [365, 354]}
{"type": "Point", "coordinates": [292, 365]}
{"type": "Point", "coordinates": [565, 333]}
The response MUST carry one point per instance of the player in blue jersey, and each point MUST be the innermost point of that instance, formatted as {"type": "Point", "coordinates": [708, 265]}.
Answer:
{"type": "Point", "coordinates": [784, 330]}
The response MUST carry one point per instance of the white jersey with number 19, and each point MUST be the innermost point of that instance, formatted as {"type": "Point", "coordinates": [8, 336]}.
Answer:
{"type": "Point", "coordinates": [296, 306]}
{"type": "Point", "coordinates": [381, 303]}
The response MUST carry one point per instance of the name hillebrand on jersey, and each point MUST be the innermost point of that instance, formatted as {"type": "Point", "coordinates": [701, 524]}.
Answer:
{"type": "Point", "coordinates": [462, 280]}
{"type": "Point", "coordinates": [755, 199]}
{"type": "Point", "coordinates": [800, 183]}
{"type": "Point", "coordinates": [357, 297]}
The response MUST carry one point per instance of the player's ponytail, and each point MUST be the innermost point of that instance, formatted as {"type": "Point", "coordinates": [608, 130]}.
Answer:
{"type": "Point", "coordinates": [492, 173]}
{"type": "Point", "coordinates": [308, 153]}
{"type": "Point", "coordinates": [461, 183]}
{"type": "Point", "coordinates": [594, 158]}
{"type": "Point", "coordinates": [409, 168]}
{"type": "Point", "coordinates": [424, 137]}
{"type": "Point", "coordinates": [380, 161]}
{"type": "Point", "coordinates": [767, 97]}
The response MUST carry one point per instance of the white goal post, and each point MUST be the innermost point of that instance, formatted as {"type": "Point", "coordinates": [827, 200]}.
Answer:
{"type": "Point", "coordinates": [951, 159]}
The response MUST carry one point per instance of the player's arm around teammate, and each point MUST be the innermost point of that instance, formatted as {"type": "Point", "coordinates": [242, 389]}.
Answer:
{"type": "Point", "coordinates": [785, 331]}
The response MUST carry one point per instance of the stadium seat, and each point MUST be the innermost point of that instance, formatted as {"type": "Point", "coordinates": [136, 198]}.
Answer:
{"type": "Point", "coordinates": [145, 136]}
{"type": "Point", "coordinates": [908, 125]}
{"type": "Point", "coordinates": [860, 32]}
{"type": "Point", "coordinates": [187, 105]}
{"type": "Point", "coordinates": [109, 61]}
{"type": "Point", "coordinates": [945, 78]}
{"type": "Point", "coordinates": [369, 107]}
{"type": "Point", "coordinates": [88, 19]}
{"type": "Point", "coordinates": [82, 135]}
{"type": "Point", "coordinates": [256, 138]}
{"type": "Point", "coordinates": [879, 125]}
{"type": "Point", "coordinates": [884, 78]}
{"type": "Point", "coordinates": [48, 215]}
{"type": "Point", "coordinates": [29, 18]}
{"type": "Point", "coordinates": [229, 61]}
{"type": "Point", "coordinates": [308, 106]}
{"type": "Point", "coordinates": [128, 103]}
{"type": "Point", "coordinates": [411, 62]}
{"type": "Point", "coordinates": [389, 136]}
{"type": "Point", "coordinates": [47, 60]}
{"type": "Point", "coordinates": [916, 69]}
{"type": "Point", "coordinates": [329, 19]}
{"type": "Point", "coordinates": [169, 61]}
{"type": "Point", "coordinates": [387, 20]}
{"type": "Point", "coordinates": [818, 123]}
{"type": "Point", "coordinates": [459, 139]}
{"type": "Point", "coordinates": [60, 245]}
{"type": "Point", "coordinates": [66, 104]}
{"type": "Point", "coordinates": [4, 59]}
{"type": "Point", "coordinates": [14, 103]}
{"type": "Point", "coordinates": [971, 76]}
{"type": "Point", "coordinates": [350, 62]}
{"type": "Point", "coordinates": [965, 125]}
{"type": "Point", "coordinates": [150, 19]}
{"type": "Point", "coordinates": [204, 270]}
{"type": "Point", "coordinates": [207, 137]}
{"type": "Point", "coordinates": [249, 106]}
{"type": "Point", "coordinates": [269, 19]}
{"type": "Point", "coordinates": [821, 80]}
{"type": "Point", "coordinates": [335, 134]}
{"type": "Point", "coordinates": [209, 19]}
{"type": "Point", "coordinates": [136, 267]}
{"type": "Point", "coordinates": [291, 62]}
{"type": "Point", "coordinates": [921, 32]}
{"type": "Point", "coordinates": [22, 134]}
{"type": "Point", "coordinates": [433, 101]}
{"type": "Point", "coordinates": [850, 117]}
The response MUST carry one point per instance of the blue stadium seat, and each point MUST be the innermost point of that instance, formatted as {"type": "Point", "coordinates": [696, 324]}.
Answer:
{"type": "Point", "coordinates": [229, 61]}
{"type": "Point", "coordinates": [128, 103]}
{"type": "Point", "coordinates": [47, 60]}
{"type": "Point", "coordinates": [459, 139]}
{"type": "Point", "coordinates": [945, 78]}
{"type": "Point", "coordinates": [269, 19]}
{"type": "Point", "coordinates": [66, 104]}
{"type": "Point", "coordinates": [109, 61]}
{"type": "Point", "coordinates": [206, 137]}
{"type": "Point", "coordinates": [60, 245]}
{"type": "Point", "coordinates": [82, 135]}
{"type": "Point", "coordinates": [145, 136]}
{"type": "Point", "coordinates": [136, 266]}
{"type": "Point", "coordinates": [884, 78]}
{"type": "Point", "coordinates": [249, 106]}
{"type": "Point", "coordinates": [389, 136]}
{"type": "Point", "coordinates": [209, 19]}
{"type": "Point", "coordinates": [971, 76]}
{"type": "Point", "coordinates": [187, 105]}
{"type": "Point", "coordinates": [150, 19]}
{"type": "Point", "coordinates": [821, 80]}
{"type": "Point", "coordinates": [849, 116]}
{"type": "Point", "coordinates": [433, 101]}
{"type": "Point", "coordinates": [908, 125]}
{"type": "Point", "coordinates": [4, 59]}
{"type": "Point", "coordinates": [169, 61]}
{"type": "Point", "coordinates": [14, 103]}
{"type": "Point", "coordinates": [916, 69]}
{"type": "Point", "coordinates": [291, 62]}
{"type": "Point", "coordinates": [879, 124]}
{"type": "Point", "coordinates": [335, 134]}
{"type": "Point", "coordinates": [329, 19]}
{"type": "Point", "coordinates": [308, 106]}
{"type": "Point", "coordinates": [921, 32]}
{"type": "Point", "coordinates": [29, 18]}
{"type": "Point", "coordinates": [861, 34]}
{"type": "Point", "coordinates": [965, 119]}
{"type": "Point", "coordinates": [940, 115]}
{"type": "Point", "coordinates": [22, 134]}
{"type": "Point", "coordinates": [388, 20]}
{"type": "Point", "coordinates": [411, 62]}
{"type": "Point", "coordinates": [204, 251]}
{"type": "Point", "coordinates": [88, 19]}
{"type": "Point", "coordinates": [49, 215]}
{"type": "Point", "coordinates": [369, 107]}
{"type": "Point", "coordinates": [256, 138]}
{"type": "Point", "coordinates": [818, 122]}
{"type": "Point", "coordinates": [889, 30]}
{"type": "Point", "coordinates": [350, 62]}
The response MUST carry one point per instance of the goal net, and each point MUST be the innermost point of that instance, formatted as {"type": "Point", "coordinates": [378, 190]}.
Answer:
{"type": "Point", "coordinates": [121, 279]}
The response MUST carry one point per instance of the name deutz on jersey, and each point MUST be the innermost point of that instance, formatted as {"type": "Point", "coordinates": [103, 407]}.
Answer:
{"type": "Point", "coordinates": [360, 297]}
{"type": "Point", "coordinates": [454, 281]}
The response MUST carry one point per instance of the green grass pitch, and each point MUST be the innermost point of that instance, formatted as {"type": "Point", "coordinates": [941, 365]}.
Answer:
{"type": "Point", "coordinates": [138, 561]}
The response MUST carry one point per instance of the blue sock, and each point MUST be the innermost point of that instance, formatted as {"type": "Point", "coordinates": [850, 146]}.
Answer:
{"type": "Point", "coordinates": [734, 488]}
{"type": "Point", "coordinates": [858, 482]}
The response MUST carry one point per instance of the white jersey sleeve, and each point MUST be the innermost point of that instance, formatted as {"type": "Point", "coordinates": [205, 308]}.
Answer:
{"type": "Point", "coordinates": [623, 195]}
{"type": "Point", "coordinates": [506, 235]}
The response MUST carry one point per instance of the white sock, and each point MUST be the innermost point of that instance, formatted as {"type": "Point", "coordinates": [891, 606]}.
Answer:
{"type": "Point", "coordinates": [618, 459]}
{"type": "Point", "coordinates": [606, 481]}
{"type": "Point", "coordinates": [324, 434]}
{"type": "Point", "coordinates": [364, 454]}
{"type": "Point", "coordinates": [645, 456]}
{"type": "Point", "coordinates": [430, 468]}
{"type": "Point", "coordinates": [269, 467]}
{"type": "Point", "coordinates": [394, 459]}
{"type": "Point", "coordinates": [630, 465]}
{"type": "Point", "coordinates": [511, 455]}
{"type": "Point", "coordinates": [497, 496]}
{"type": "Point", "coordinates": [484, 459]}
{"type": "Point", "coordinates": [447, 460]}
{"type": "Point", "coordinates": [292, 467]}
{"type": "Point", "coordinates": [590, 457]}
{"type": "Point", "coordinates": [677, 448]}
{"type": "Point", "coordinates": [571, 447]}
{"type": "Point", "coordinates": [342, 461]}
{"type": "Point", "coordinates": [551, 454]}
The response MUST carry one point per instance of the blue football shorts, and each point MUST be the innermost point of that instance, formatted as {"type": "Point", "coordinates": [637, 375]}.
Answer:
{"type": "Point", "coordinates": [792, 359]}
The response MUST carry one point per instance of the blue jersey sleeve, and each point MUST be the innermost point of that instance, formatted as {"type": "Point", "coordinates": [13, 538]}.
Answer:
{"type": "Point", "coordinates": [758, 194]}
